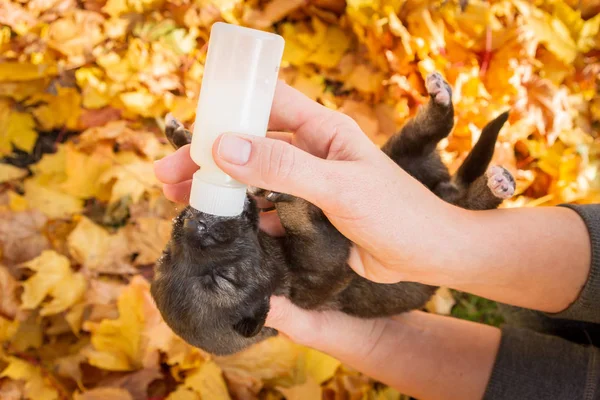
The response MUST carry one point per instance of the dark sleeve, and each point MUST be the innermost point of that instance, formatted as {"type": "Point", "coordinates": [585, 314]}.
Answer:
{"type": "Point", "coordinates": [587, 306]}
{"type": "Point", "coordinates": [531, 365]}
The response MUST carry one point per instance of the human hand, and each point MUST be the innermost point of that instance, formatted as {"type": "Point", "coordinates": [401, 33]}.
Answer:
{"type": "Point", "coordinates": [397, 225]}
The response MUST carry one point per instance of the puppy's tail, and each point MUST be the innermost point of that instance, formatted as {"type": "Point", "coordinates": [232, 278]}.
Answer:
{"type": "Point", "coordinates": [481, 154]}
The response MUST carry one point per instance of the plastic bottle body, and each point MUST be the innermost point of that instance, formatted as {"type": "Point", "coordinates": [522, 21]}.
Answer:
{"type": "Point", "coordinates": [236, 96]}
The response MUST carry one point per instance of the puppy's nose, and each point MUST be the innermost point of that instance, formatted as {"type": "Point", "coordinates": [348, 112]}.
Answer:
{"type": "Point", "coordinates": [194, 225]}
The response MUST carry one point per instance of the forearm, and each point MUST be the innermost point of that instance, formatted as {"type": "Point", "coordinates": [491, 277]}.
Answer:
{"type": "Point", "coordinates": [537, 258]}
{"type": "Point", "coordinates": [427, 356]}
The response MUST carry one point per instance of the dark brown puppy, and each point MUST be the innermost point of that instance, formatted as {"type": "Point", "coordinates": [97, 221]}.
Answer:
{"type": "Point", "coordinates": [213, 283]}
{"type": "Point", "coordinates": [316, 252]}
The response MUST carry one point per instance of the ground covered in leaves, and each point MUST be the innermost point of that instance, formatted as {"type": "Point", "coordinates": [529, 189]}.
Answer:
{"type": "Point", "coordinates": [84, 86]}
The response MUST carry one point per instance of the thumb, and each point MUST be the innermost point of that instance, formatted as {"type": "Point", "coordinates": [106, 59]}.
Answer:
{"type": "Point", "coordinates": [275, 165]}
{"type": "Point", "coordinates": [340, 335]}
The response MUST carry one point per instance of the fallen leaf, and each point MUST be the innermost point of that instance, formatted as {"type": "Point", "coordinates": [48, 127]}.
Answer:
{"type": "Point", "coordinates": [126, 343]}
{"type": "Point", "coordinates": [18, 128]}
{"type": "Point", "coordinates": [183, 393]}
{"type": "Point", "coordinates": [36, 386]}
{"type": "Point", "coordinates": [21, 237]}
{"type": "Point", "coordinates": [135, 383]}
{"type": "Point", "coordinates": [52, 203]}
{"type": "Point", "coordinates": [9, 304]}
{"type": "Point", "coordinates": [148, 237]}
{"type": "Point", "coordinates": [207, 381]}
{"type": "Point", "coordinates": [441, 302]}
{"type": "Point", "coordinates": [9, 173]}
{"type": "Point", "coordinates": [54, 278]}
{"type": "Point", "coordinates": [307, 390]}
{"type": "Point", "coordinates": [103, 394]}
{"type": "Point", "coordinates": [98, 250]}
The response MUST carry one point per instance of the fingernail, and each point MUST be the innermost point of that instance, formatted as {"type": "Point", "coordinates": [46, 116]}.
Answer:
{"type": "Point", "coordinates": [234, 149]}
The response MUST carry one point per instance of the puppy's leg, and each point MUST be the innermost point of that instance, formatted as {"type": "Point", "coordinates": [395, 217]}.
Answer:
{"type": "Point", "coordinates": [432, 123]}
{"type": "Point", "coordinates": [489, 190]}
{"type": "Point", "coordinates": [176, 133]}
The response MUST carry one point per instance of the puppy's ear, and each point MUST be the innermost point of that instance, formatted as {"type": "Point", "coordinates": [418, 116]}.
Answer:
{"type": "Point", "coordinates": [250, 212]}
{"type": "Point", "coordinates": [251, 324]}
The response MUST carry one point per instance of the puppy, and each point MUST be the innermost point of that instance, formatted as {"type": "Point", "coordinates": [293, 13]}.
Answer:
{"type": "Point", "coordinates": [308, 265]}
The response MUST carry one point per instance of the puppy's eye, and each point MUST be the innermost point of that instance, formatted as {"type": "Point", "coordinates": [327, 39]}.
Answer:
{"type": "Point", "coordinates": [194, 225]}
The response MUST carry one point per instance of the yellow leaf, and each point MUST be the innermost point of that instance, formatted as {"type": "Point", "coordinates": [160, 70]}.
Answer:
{"type": "Point", "coordinates": [16, 202]}
{"type": "Point", "coordinates": [386, 393]}
{"type": "Point", "coordinates": [323, 45]}
{"type": "Point", "coordinates": [441, 302]}
{"type": "Point", "coordinates": [50, 170]}
{"type": "Point", "coordinates": [61, 110]}
{"type": "Point", "coordinates": [364, 79]}
{"type": "Point", "coordinates": [8, 329]}
{"type": "Point", "coordinates": [29, 334]}
{"type": "Point", "coordinates": [321, 367]}
{"type": "Point", "coordinates": [92, 246]}
{"type": "Point", "coordinates": [140, 102]}
{"type": "Point", "coordinates": [8, 287]}
{"type": "Point", "coordinates": [36, 386]}
{"type": "Point", "coordinates": [307, 390]}
{"type": "Point", "coordinates": [549, 30]}
{"type": "Point", "coordinates": [131, 177]}
{"type": "Point", "coordinates": [84, 172]}
{"type": "Point", "coordinates": [183, 393]}
{"type": "Point", "coordinates": [589, 36]}
{"type": "Point", "coordinates": [127, 343]}
{"type": "Point", "coordinates": [103, 393]}
{"type": "Point", "coordinates": [52, 203]}
{"type": "Point", "coordinates": [15, 71]}
{"type": "Point", "coordinates": [94, 89]}
{"type": "Point", "coordinates": [55, 278]}
{"type": "Point", "coordinates": [208, 382]}
{"type": "Point", "coordinates": [148, 237]}
{"type": "Point", "coordinates": [276, 360]}
{"type": "Point", "coordinates": [9, 172]}
{"type": "Point", "coordinates": [16, 128]}
{"type": "Point", "coordinates": [76, 34]}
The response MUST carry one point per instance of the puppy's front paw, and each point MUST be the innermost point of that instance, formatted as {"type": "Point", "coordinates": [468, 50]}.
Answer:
{"type": "Point", "coordinates": [501, 182]}
{"type": "Point", "coordinates": [269, 195]}
{"type": "Point", "coordinates": [438, 89]}
{"type": "Point", "coordinates": [175, 132]}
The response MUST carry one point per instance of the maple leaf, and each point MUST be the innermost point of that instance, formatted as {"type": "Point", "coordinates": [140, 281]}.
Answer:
{"type": "Point", "coordinates": [57, 111]}
{"type": "Point", "coordinates": [183, 393]}
{"type": "Point", "coordinates": [148, 237]}
{"type": "Point", "coordinates": [9, 304]}
{"type": "Point", "coordinates": [127, 343]}
{"type": "Point", "coordinates": [130, 177]}
{"type": "Point", "coordinates": [98, 250]}
{"type": "Point", "coordinates": [9, 173]}
{"type": "Point", "coordinates": [21, 237]}
{"type": "Point", "coordinates": [36, 386]}
{"type": "Point", "coordinates": [207, 381]}
{"type": "Point", "coordinates": [18, 128]}
{"type": "Point", "coordinates": [53, 277]}
{"type": "Point", "coordinates": [52, 203]}
{"type": "Point", "coordinates": [104, 393]}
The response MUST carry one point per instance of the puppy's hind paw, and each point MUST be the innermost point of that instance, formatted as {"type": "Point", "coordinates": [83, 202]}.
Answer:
{"type": "Point", "coordinates": [438, 89]}
{"type": "Point", "coordinates": [501, 182]}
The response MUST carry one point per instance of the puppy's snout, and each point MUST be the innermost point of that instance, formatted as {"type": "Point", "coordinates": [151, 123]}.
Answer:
{"type": "Point", "coordinates": [193, 225]}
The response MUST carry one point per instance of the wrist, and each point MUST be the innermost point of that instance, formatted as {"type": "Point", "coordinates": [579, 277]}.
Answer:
{"type": "Point", "coordinates": [450, 245]}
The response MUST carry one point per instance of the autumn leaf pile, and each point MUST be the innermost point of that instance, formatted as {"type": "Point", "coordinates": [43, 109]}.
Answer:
{"type": "Point", "coordinates": [84, 87]}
